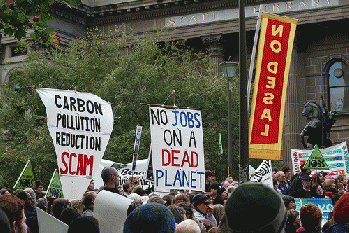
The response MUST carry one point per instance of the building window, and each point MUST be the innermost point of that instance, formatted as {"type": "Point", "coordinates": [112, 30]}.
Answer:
{"type": "Point", "coordinates": [339, 87]}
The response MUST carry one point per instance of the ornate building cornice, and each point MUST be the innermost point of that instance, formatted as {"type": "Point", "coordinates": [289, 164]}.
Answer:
{"type": "Point", "coordinates": [99, 15]}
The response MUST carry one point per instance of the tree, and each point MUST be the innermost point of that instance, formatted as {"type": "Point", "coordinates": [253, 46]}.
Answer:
{"type": "Point", "coordinates": [129, 77]}
{"type": "Point", "coordinates": [17, 17]}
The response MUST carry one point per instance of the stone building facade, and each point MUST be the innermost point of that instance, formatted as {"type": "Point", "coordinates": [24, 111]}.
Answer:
{"type": "Point", "coordinates": [320, 57]}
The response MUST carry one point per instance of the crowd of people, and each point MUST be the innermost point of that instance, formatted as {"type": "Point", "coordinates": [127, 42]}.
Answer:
{"type": "Point", "coordinates": [223, 206]}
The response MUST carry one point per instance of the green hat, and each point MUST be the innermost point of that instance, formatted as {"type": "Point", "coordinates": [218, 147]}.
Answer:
{"type": "Point", "coordinates": [254, 207]}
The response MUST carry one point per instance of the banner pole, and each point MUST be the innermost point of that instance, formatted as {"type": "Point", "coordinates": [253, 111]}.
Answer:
{"type": "Point", "coordinates": [21, 173]}
{"type": "Point", "coordinates": [253, 55]}
{"type": "Point", "coordinates": [53, 175]}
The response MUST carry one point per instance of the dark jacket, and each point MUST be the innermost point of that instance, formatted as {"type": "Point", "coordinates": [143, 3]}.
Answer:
{"type": "Point", "coordinates": [301, 193]}
{"type": "Point", "coordinates": [338, 228]}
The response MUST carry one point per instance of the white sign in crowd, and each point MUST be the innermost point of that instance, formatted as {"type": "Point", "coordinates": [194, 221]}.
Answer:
{"type": "Point", "coordinates": [177, 149]}
{"type": "Point", "coordinates": [80, 125]}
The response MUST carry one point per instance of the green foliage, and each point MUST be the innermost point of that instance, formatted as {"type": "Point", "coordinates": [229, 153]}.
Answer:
{"type": "Point", "coordinates": [129, 77]}
{"type": "Point", "coordinates": [16, 17]}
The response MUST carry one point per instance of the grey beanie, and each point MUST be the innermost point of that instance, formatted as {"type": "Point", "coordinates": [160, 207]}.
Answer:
{"type": "Point", "coordinates": [254, 207]}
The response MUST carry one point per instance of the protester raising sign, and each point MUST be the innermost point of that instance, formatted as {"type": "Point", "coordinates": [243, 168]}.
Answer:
{"type": "Point", "coordinates": [26, 178]}
{"type": "Point", "coordinates": [336, 158]}
{"type": "Point", "coordinates": [80, 125]}
{"type": "Point", "coordinates": [177, 149]}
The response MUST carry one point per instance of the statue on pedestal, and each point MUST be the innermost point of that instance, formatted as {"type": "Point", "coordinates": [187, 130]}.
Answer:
{"type": "Point", "coordinates": [317, 130]}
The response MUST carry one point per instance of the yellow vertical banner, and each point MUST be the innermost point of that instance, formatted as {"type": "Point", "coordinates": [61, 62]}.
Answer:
{"type": "Point", "coordinates": [269, 97]}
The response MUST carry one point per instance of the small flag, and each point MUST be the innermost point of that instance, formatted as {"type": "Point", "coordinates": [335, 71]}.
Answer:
{"type": "Point", "coordinates": [55, 187]}
{"type": "Point", "coordinates": [26, 178]}
{"type": "Point", "coordinates": [220, 144]}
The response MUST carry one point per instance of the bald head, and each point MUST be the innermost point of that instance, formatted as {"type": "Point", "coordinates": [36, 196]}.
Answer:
{"type": "Point", "coordinates": [188, 226]}
{"type": "Point", "coordinates": [110, 176]}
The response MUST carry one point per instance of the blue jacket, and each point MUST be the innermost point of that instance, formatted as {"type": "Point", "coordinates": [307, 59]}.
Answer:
{"type": "Point", "coordinates": [338, 228]}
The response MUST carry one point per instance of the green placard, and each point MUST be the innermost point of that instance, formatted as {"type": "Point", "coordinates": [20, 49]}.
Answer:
{"type": "Point", "coordinates": [316, 161]}
{"type": "Point", "coordinates": [55, 186]}
{"type": "Point", "coordinates": [26, 178]}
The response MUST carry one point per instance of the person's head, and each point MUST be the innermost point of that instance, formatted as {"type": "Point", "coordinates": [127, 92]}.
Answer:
{"type": "Point", "coordinates": [319, 191]}
{"type": "Point", "coordinates": [280, 177]}
{"type": "Point", "coordinates": [214, 188]}
{"type": "Point", "coordinates": [58, 206]}
{"type": "Point", "coordinates": [218, 212]}
{"type": "Point", "coordinates": [310, 216]}
{"type": "Point", "coordinates": [156, 199]}
{"type": "Point", "coordinates": [91, 186]}
{"type": "Point", "coordinates": [110, 177]}
{"type": "Point", "coordinates": [274, 171]}
{"type": "Point", "coordinates": [127, 186]}
{"type": "Point", "coordinates": [42, 203]}
{"type": "Point", "coordinates": [306, 181]}
{"type": "Point", "coordinates": [152, 217]}
{"type": "Point", "coordinates": [178, 213]}
{"type": "Point", "coordinates": [304, 171]}
{"type": "Point", "coordinates": [289, 202]}
{"type": "Point", "coordinates": [77, 204]}
{"type": "Point", "coordinates": [169, 199]}
{"type": "Point", "coordinates": [342, 178]}
{"type": "Point", "coordinates": [287, 171]}
{"type": "Point", "coordinates": [209, 176]}
{"type": "Point", "coordinates": [31, 197]}
{"type": "Point", "coordinates": [39, 186]}
{"type": "Point", "coordinates": [341, 209]}
{"type": "Point", "coordinates": [293, 217]}
{"type": "Point", "coordinates": [139, 190]}
{"type": "Point", "coordinates": [201, 203]}
{"type": "Point", "coordinates": [86, 224]}
{"type": "Point", "coordinates": [188, 226]}
{"type": "Point", "coordinates": [4, 191]}
{"type": "Point", "coordinates": [121, 190]}
{"type": "Point", "coordinates": [13, 208]}
{"type": "Point", "coordinates": [318, 178]}
{"type": "Point", "coordinates": [69, 214]}
{"type": "Point", "coordinates": [88, 200]}
{"type": "Point", "coordinates": [181, 198]}
{"type": "Point", "coordinates": [258, 202]}
{"type": "Point", "coordinates": [189, 211]}
{"type": "Point", "coordinates": [328, 184]}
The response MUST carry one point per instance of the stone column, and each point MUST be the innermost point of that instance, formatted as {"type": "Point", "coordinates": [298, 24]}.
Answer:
{"type": "Point", "coordinates": [215, 49]}
{"type": "Point", "coordinates": [296, 92]}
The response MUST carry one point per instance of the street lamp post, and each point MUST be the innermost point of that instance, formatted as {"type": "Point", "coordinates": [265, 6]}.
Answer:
{"type": "Point", "coordinates": [229, 71]}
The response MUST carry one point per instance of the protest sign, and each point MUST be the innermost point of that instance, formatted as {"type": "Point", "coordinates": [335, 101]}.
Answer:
{"type": "Point", "coordinates": [263, 174]}
{"type": "Point", "coordinates": [48, 223]}
{"type": "Point", "coordinates": [336, 158]}
{"type": "Point", "coordinates": [324, 204]}
{"type": "Point", "coordinates": [111, 211]}
{"type": "Point", "coordinates": [136, 145]}
{"type": "Point", "coordinates": [26, 178]}
{"type": "Point", "coordinates": [316, 161]}
{"type": "Point", "coordinates": [177, 149]}
{"type": "Point", "coordinates": [125, 172]}
{"type": "Point", "coordinates": [80, 125]}
{"type": "Point", "coordinates": [269, 97]}
{"type": "Point", "coordinates": [55, 187]}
